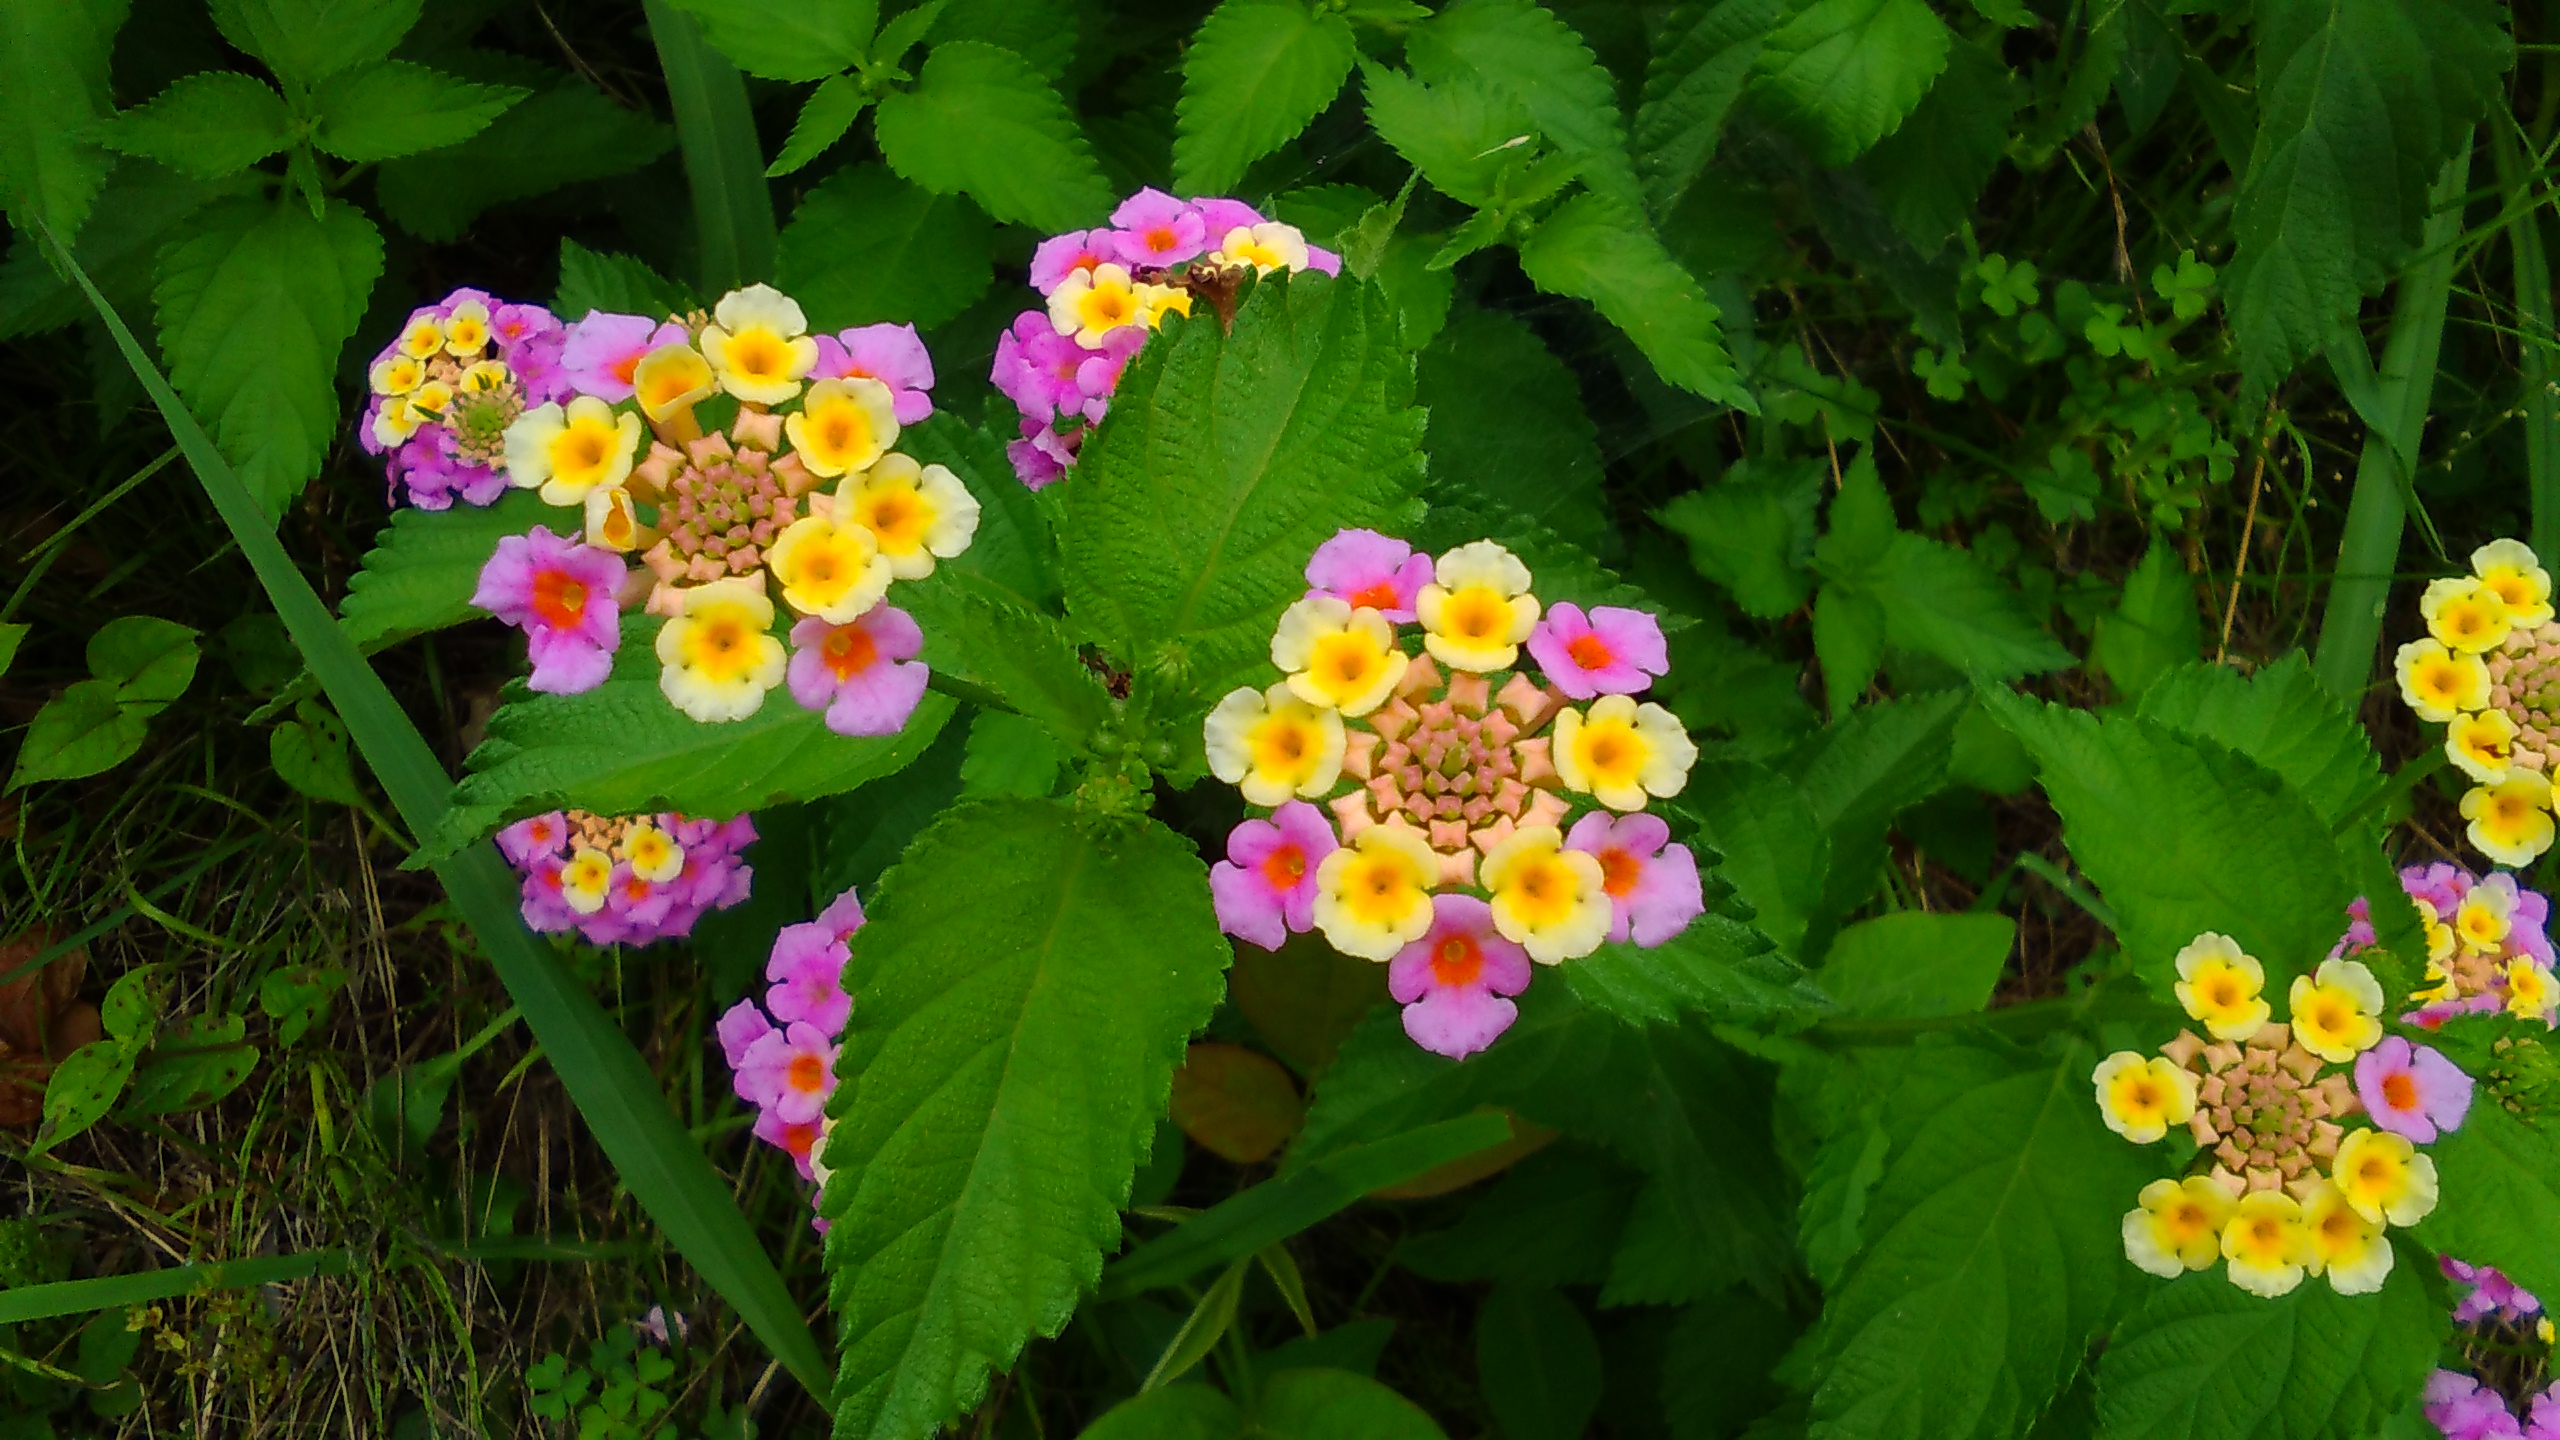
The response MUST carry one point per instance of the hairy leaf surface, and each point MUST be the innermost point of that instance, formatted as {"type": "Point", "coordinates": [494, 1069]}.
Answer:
{"type": "Point", "coordinates": [866, 246]}
{"type": "Point", "coordinates": [421, 573]}
{"type": "Point", "coordinates": [1843, 74]}
{"type": "Point", "coordinates": [1256, 73]}
{"type": "Point", "coordinates": [2500, 1180]}
{"type": "Point", "coordinates": [982, 120]}
{"type": "Point", "coordinates": [1596, 249]}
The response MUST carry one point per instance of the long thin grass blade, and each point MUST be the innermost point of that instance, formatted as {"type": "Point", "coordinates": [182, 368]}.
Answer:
{"type": "Point", "coordinates": [732, 206]}
{"type": "Point", "coordinates": [606, 1077]}
{"type": "Point", "coordinates": [109, 1292]}
{"type": "Point", "coordinates": [2540, 360]}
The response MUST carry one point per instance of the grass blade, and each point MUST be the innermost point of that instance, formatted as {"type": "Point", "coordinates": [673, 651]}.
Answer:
{"type": "Point", "coordinates": [2539, 345]}
{"type": "Point", "coordinates": [732, 207]}
{"type": "Point", "coordinates": [606, 1077]}
{"type": "Point", "coordinates": [109, 1292]}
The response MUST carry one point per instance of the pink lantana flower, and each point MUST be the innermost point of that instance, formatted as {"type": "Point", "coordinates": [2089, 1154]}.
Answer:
{"type": "Point", "coordinates": [1041, 457]}
{"type": "Point", "coordinates": [790, 1073]}
{"type": "Point", "coordinates": [1610, 651]}
{"type": "Point", "coordinates": [864, 674]}
{"type": "Point", "coordinates": [533, 835]}
{"type": "Point", "coordinates": [890, 354]}
{"type": "Point", "coordinates": [546, 909]}
{"type": "Point", "coordinates": [1652, 884]}
{"type": "Point", "coordinates": [563, 595]}
{"type": "Point", "coordinates": [2412, 1091]}
{"type": "Point", "coordinates": [637, 904]}
{"type": "Point", "coordinates": [842, 916]}
{"type": "Point", "coordinates": [1035, 367]}
{"type": "Point", "coordinates": [1453, 981]}
{"type": "Point", "coordinates": [1156, 229]}
{"type": "Point", "coordinates": [1265, 890]}
{"type": "Point", "coordinates": [794, 1138]}
{"type": "Point", "coordinates": [1326, 261]}
{"type": "Point", "coordinates": [1367, 570]}
{"type": "Point", "coordinates": [600, 352]}
{"type": "Point", "coordinates": [807, 971]}
{"type": "Point", "coordinates": [739, 1028]}
{"type": "Point", "coordinates": [1218, 215]}
{"type": "Point", "coordinates": [1060, 256]}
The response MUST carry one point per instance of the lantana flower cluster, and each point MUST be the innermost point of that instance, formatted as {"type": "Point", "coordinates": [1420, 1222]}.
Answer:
{"type": "Point", "coordinates": [445, 391]}
{"type": "Point", "coordinates": [744, 461]}
{"type": "Point", "coordinates": [627, 880]}
{"type": "Point", "coordinates": [2281, 1186]}
{"type": "Point", "coordinates": [1106, 290]}
{"type": "Point", "coordinates": [2489, 672]}
{"type": "Point", "coordinates": [2487, 945]}
{"type": "Point", "coordinates": [1456, 779]}
{"type": "Point", "coordinates": [2497, 1316]}
{"type": "Point", "coordinates": [782, 1053]}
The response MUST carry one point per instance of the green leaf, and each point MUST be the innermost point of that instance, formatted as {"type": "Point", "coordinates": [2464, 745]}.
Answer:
{"type": "Point", "coordinates": [2156, 819]}
{"type": "Point", "coordinates": [143, 208]}
{"type": "Point", "coordinates": [1028, 977]}
{"type": "Point", "coordinates": [1752, 531]}
{"type": "Point", "coordinates": [805, 40]}
{"type": "Point", "coordinates": [1931, 170]}
{"type": "Point", "coordinates": [1943, 601]}
{"type": "Point", "coordinates": [1226, 459]}
{"type": "Point", "coordinates": [1297, 1403]}
{"type": "Point", "coordinates": [1552, 1219]}
{"type": "Point", "coordinates": [2154, 629]}
{"type": "Point", "coordinates": [1843, 74]}
{"type": "Point", "coordinates": [1716, 1365]}
{"type": "Point", "coordinates": [421, 572]}
{"type": "Point", "coordinates": [1202, 1329]}
{"type": "Point", "coordinates": [829, 111]}
{"type": "Point", "coordinates": [2500, 1179]}
{"type": "Point", "coordinates": [2283, 718]}
{"type": "Point", "coordinates": [602, 280]}
{"type": "Point", "coordinates": [1848, 638]}
{"type": "Point", "coordinates": [1912, 964]}
{"type": "Point", "coordinates": [150, 660]}
{"type": "Point", "coordinates": [310, 754]}
{"type": "Point", "coordinates": [138, 664]}
{"type": "Point", "coordinates": [1172, 1412]}
{"type": "Point", "coordinates": [1775, 850]}
{"type": "Point", "coordinates": [1718, 967]}
{"type": "Point", "coordinates": [622, 749]}
{"type": "Point", "coordinates": [1690, 87]}
{"type": "Point", "coordinates": [207, 125]}
{"type": "Point", "coordinates": [555, 137]}
{"type": "Point", "coordinates": [866, 246]}
{"type": "Point", "coordinates": [1009, 755]}
{"type": "Point", "coordinates": [2360, 103]}
{"type": "Point", "coordinates": [194, 1063]}
{"type": "Point", "coordinates": [1256, 72]}
{"type": "Point", "coordinates": [733, 230]}
{"type": "Point", "coordinates": [1872, 764]}
{"type": "Point", "coordinates": [1525, 54]}
{"type": "Point", "coordinates": [1026, 661]}
{"type": "Point", "coordinates": [81, 1089]}
{"type": "Point", "coordinates": [1654, 1263]}
{"type": "Point", "coordinates": [1463, 136]}
{"type": "Point", "coordinates": [2205, 1360]}
{"type": "Point", "coordinates": [1538, 1362]}
{"type": "Point", "coordinates": [11, 634]}
{"type": "Point", "coordinates": [53, 90]}
{"type": "Point", "coordinates": [131, 1010]}
{"type": "Point", "coordinates": [253, 310]}
{"type": "Point", "coordinates": [1996, 1257]}
{"type": "Point", "coordinates": [1507, 421]}
{"type": "Point", "coordinates": [1594, 249]}
{"type": "Point", "coordinates": [983, 121]}
{"type": "Point", "coordinates": [307, 40]}
{"type": "Point", "coordinates": [1047, 36]}
{"type": "Point", "coordinates": [392, 107]}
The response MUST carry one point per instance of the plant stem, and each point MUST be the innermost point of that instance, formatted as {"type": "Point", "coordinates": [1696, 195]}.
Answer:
{"type": "Point", "coordinates": [732, 208]}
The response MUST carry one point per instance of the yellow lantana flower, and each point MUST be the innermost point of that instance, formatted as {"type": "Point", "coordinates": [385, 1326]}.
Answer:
{"type": "Point", "coordinates": [671, 380]}
{"type": "Point", "coordinates": [2464, 614]}
{"type": "Point", "coordinates": [2482, 745]}
{"type": "Point", "coordinates": [2265, 1244]}
{"type": "Point", "coordinates": [1272, 745]}
{"type": "Point", "coordinates": [1621, 751]}
{"type": "Point", "coordinates": [717, 656]}
{"type": "Point", "coordinates": [1373, 896]}
{"type": "Point", "coordinates": [2219, 986]}
{"type": "Point", "coordinates": [2178, 1228]}
{"type": "Point", "coordinates": [395, 422]}
{"type": "Point", "coordinates": [611, 522]}
{"type": "Point", "coordinates": [758, 343]}
{"type": "Point", "coordinates": [2439, 684]}
{"type": "Point", "coordinates": [2141, 1096]}
{"type": "Point", "coordinates": [1157, 301]}
{"type": "Point", "coordinates": [2385, 1177]}
{"type": "Point", "coordinates": [1550, 901]}
{"type": "Point", "coordinates": [1477, 608]}
{"type": "Point", "coordinates": [915, 512]}
{"type": "Point", "coordinates": [584, 880]}
{"type": "Point", "coordinates": [844, 425]}
{"type": "Point", "coordinates": [1266, 247]}
{"type": "Point", "coordinates": [1090, 304]}
{"type": "Point", "coordinates": [396, 375]}
{"type": "Point", "coordinates": [654, 854]}
{"type": "Point", "coordinates": [1338, 657]}
{"type": "Point", "coordinates": [2485, 915]}
{"type": "Point", "coordinates": [2530, 991]}
{"type": "Point", "coordinates": [422, 340]}
{"type": "Point", "coordinates": [571, 451]}
{"type": "Point", "coordinates": [2343, 1244]}
{"type": "Point", "coordinates": [834, 572]}
{"type": "Point", "coordinates": [2510, 568]}
{"type": "Point", "coordinates": [2334, 1010]}
{"type": "Point", "coordinates": [2511, 820]}
{"type": "Point", "coordinates": [466, 330]}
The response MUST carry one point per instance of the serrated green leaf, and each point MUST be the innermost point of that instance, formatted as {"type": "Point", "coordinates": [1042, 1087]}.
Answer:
{"type": "Point", "coordinates": [1507, 421]}
{"type": "Point", "coordinates": [622, 749]}
{"type": "Point", "coordinates": [1945, 602]}
{"type": "Point", "coordinates": [1460, 134]}
{"type": "Point", "coordinates": [866, 246]}
{"type": "Point", "coordinates": [307, 40]}
{"type": "Point", "coordinates": [2205, 1360]}
{"type": "Point", "coordinates": [1538, 1362]}
{"type": "Point", "coordinates": [2499, 1176]}
{"type": "Point", "coordinates": [1752, 531]}
{"type": "Point", "coordinates": [53, 88]}
{"type": "Point", "coordinates": [207, 125]}
{"type": "Point", "coordinates": [1931, 169]}
{"type": "Point", "coordinates": [1524, 53]}
{"type": "Point", "coordinates": [1872, 764]}
{"type": "Point", "coordinates": [982, 121]}
{"type": "Point", "coordinates": [1718, 967]}
{"type": "Point", "coordinates": [1044, 35]}
{"type": "Point", "coordinates": [1026, 661]}
{"type": "Point", "coordinates": [1028, 977]}
{"type": "Point", "coordinates": [420, 573]}
{"type": "Point", "coordinates": [2360, 103]}
{"type": "Point", "coordinates": [2283, 718]}
{"type": "Point", "coordinates": [1848, 638]}
{"type": "Point", "coordinates": [391, 108]}
{"type": "Point", "coordinates": [1009, 755]}
{"type": "Point", "coordinates": [829, 111]}
{"type": "Point", "coordinates": [1594, 249]}
{"type": "Point", "coordinates": [2154, 629]}
{"type": "Point", "coordinates": [804, 40]}
{"type": "Point", "coordinates": [1843, 74]}
{"type": "Point", "coordinates": [555, 137]}
{"type": "Point", "coordinates": [1775, 851]}
{"type": "Point", "coordinates": [1256, 72]}
{"type": "Point", "coordinates": [1225, 461]}
{"type": "Point", "coordinates": [1690, 86]}
{"type": "Point", "coordinates": [1997, 1255]}
{"type": "Point", "coordinates": [1914, 964]}
{"type": "Point", "coordinates": [142, 208]}
{"type": "Point", "coordinates": [253, 310]}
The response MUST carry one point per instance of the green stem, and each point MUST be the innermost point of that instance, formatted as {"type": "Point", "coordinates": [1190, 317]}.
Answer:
{"type": "Point", "coordinates": [2377, 509]}
{"type": "Point", "coordinates": [732, 208]}
{"type": "Point", "coordinates": [2533, 317]}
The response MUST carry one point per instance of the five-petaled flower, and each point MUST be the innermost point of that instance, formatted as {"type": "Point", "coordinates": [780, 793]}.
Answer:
{"type": "Point", "coordinates": [863, 673]}
{"type": "Point", "coordinates": [564, 596]}
{"type": "Point", "coordinates": [1454, 981]}
{"type": "Point", "coordinates": [1265, 890]}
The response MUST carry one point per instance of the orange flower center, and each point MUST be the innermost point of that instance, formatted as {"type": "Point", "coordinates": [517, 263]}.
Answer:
{"type": "Point", "coordinates": [806, 1073]}
{"type": "Point", "coordinates": [560, 600]}
{"type": "Point", "coordinates": [1457, 960]}
{"type": "Point", "coordinates": [1381, 596]}
{"type": "Point", "coordinates": [1619, 872]}
{"type": "Point", "coordinates": [1285, 867]}
{"type": "Point", "coordinates": [849, 650]}
{"type": "Point", "coordinates": [2399, 1091]}
{"type": "Point", "coordinates": [1590, 652]}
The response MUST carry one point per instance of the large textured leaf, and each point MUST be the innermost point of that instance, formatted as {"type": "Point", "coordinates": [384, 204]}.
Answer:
{"type": "Point", "coordinates": [253, 310]}
{"type": "Point", "coordinates": [1775, 850]}
{"type": "Point", "coordinates": [53, 90]}
{"type": "Point", "coordinates": [1028, 977]}
{"type": "Point", "coordinates": [866, 246]}
{"type": "Point", "coordinates": [1024, 659]}
{"type": "Point", "coordinates": [803, 40]}
{"type": "Point", "coordinates": [983, 121]}
{"type": "Point", "coordinates": [1913, 963]}
{"type": "Point", "coordinates": [1595, 249]}
{"type": "Point", "coordinates": [1718, 967]}
{"type": "Point", "coordinates": [419, 576]}
{"type": "Point", "coordinates": [558, 136]}
{"type": "Point", "coordinates": [1697, 73]}
{"type": "Point", "coordinates": [1507, 421]}
{"type": "Point", "coordinates": [1293, 1404]}
{"type": "Point", "coordinates": [1843, 74]}
{"type": "Point", "coordinates": [1523, 52]}
{"type": "Point", "coordinates": [392, 108]}
{"type": "Point", "coordinates": [2205, 1360]}
{"type": "Point", "coordinates": [2283, 718]}
{"type": "Point", "coordinates": [1225, 461]}
{"type": "Point", "coordinates": [1996, 1256]}
{"type": "Point", "coordinates": [1457, 132]}
{"type": "Point", "coordinates": [1929, 172]}
{"type": "Point", "coordinates": [2157, 819]}
{"type": "Point", "coordinates": [1256, 73]}
{"type": "Point", "coordinates": [207, 125]}
{"type": "Point", "coordinates": [307, 40]}
{"type": "Point", "coordinates": [622, 749]}
{"type": "Point", "coordinates": [2500, 1178]}
{"type": "Point", "coordinates": [143, 207]}
{"type": "Point", "coordinates": [1944, 601]}
{"type": "Point", "coordinates": [1877, 762]}
{"type": "Point", "coordinates": [2360, 102]}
